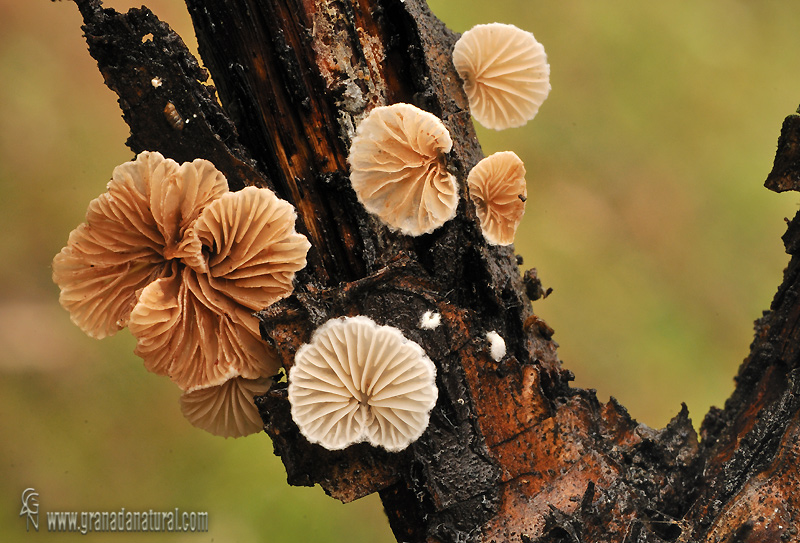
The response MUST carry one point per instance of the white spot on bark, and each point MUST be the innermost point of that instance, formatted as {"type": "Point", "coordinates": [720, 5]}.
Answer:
{"type": "Point", "coordinates": [497, 345]}
{"type": "Point", "coordinates": [430, 320]}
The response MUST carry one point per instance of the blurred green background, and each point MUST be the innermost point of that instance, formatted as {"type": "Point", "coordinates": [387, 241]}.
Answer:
{"type": "Point", "coordinates": [646, 215]}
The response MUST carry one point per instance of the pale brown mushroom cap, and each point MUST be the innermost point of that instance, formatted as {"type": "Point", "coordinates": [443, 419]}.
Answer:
{"type": "Point", "coordinates": [198, 327]}
{"type": "Point", "coordinates": [130, 233]}
{"type": "Point", "coordinates": [505, 72]}
{"type": "Point", "coordinates": [189, 331]}
{"type": "Point", "coordinates": [358, 381]}
{"type": "Point", "coordinates": [228, 409]}
{"type": "Point", "coordinates": [498, 189]}
{"type": "Point", "coordinates": [251, 249]}
{"type": "Point", "coordinates": [398, 169]}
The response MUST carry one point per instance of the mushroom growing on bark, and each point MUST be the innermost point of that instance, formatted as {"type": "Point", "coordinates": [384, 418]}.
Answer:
{"type": "Point", "coordinates": [226, 410]}
{"type": "Point", "coordinates": [197, 327]}
{"type": "Point", "coordinates": [357, 381]}
{"type": "Point", "coordinates": [398, 169]}
{"type": "Point", "coordinates": [498, 189]}
{"type": "Point", "coordinates": [133, 234]}
{"type": "Point", "coordinates": [505, 72]}
{"type": "Point", "coordinates": [170, 253]}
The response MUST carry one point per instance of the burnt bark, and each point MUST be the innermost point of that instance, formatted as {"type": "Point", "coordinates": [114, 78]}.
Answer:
{"type": "Point", "coordinates": [512, 453]}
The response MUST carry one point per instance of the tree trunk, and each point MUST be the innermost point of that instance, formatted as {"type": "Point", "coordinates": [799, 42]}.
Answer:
{"type": "Point", "coordinates": [512, 453]}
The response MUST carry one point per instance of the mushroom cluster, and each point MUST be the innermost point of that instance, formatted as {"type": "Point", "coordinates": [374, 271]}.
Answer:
{"type": "Point", "coordinates": [397, 158]}
{"type": "Point", "coordinates": [506, 78]}
{"type": "Point", "coordinates": [357, 381]}
{"type": "Point", "coordinates": [169, 252]}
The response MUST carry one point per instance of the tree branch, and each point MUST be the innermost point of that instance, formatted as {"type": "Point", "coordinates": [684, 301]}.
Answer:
{"type": "Point", "coordinates": [512, 453]}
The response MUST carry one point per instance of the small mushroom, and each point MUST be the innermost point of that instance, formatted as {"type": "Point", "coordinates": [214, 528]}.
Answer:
{"type": "Point", "coordinates": [358, 381]}
{"type": "Point", "coordinates": [228, 409]}
{"type": "Point", "coordinates": [498, 190]}
{"type": "Point", "coordinates": [398, 169]}
{"type": "Point", "coordinates": [250, 246]}
{"type": "Point", "coordinates": [505, 72]}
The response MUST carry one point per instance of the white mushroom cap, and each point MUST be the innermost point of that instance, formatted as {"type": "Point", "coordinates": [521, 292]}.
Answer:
{"type": "Point", "coordinates": [505, 72]}
{"type": "Point", "coordinates": [398, 170]}
{"type": "Point", "coordinates": [228, 409]}
{"type": "Point", "coordinates": [358, 381]}
{"type": "Point", "coordinates": [497, 187]}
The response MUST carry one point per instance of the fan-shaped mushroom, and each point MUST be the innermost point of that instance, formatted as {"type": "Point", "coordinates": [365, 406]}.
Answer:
{"type": "Point", "coordinates": [251, 248]}
{"type": "Point", "coordinates": [505, 72]}
{"type": "Point", "coordinates": [131, 233]}
{"type": "Point", "coordinates": [398, 169]}
{"type": "Point", "coordinates": [497, 187]}
{"type": "Point", "coordinates": [196, 327]}
{"type": "Point", "coordinates": [226, 410]}
{"type": "Point", "coordinates": [358, 381]}
{"type": "Point", "coordinates": [191, 332]}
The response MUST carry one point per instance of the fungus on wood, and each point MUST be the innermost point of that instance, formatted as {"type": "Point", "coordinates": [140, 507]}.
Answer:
{"type": "Point", "coordinates": [170, 252]}
{"type": "Point", "coordinates": [511, 452]}
{"type": "Point", "coordinates": [357, 381]}
{"type": "Point", "coordinates": [398, 169]}
{"type": "Point", "coordinates": [498, 189]}
{"type": "Point", "coordinates": [228, 409]}
{"type": "Point", "coordinates": [505, 74]}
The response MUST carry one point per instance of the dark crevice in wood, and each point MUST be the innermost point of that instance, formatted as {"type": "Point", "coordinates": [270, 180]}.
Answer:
{"type": "Point", "coordinates": [148, 66]}
{"type": "Point", "coordinates": [268, 83]}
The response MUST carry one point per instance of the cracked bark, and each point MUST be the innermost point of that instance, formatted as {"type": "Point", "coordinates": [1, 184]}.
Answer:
{"type": "Point", "coordinates": [513, 453]}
